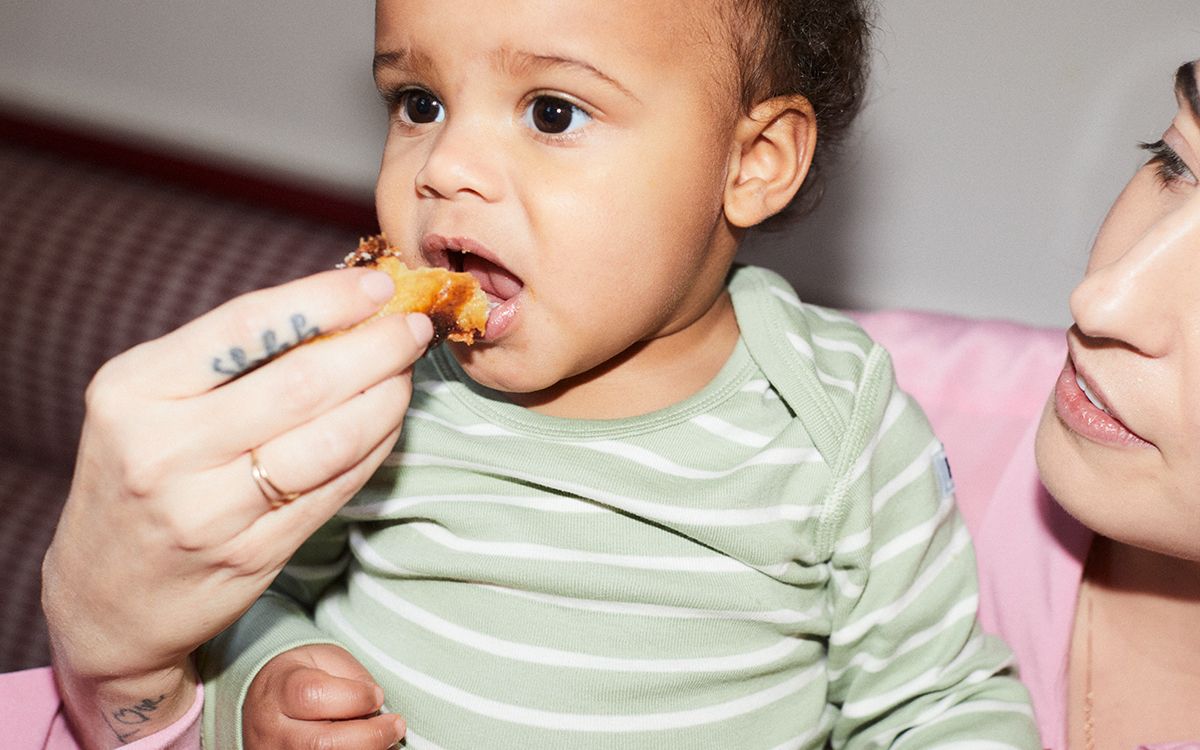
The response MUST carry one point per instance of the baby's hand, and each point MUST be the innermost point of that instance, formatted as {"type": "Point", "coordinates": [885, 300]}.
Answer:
{"type": "Point", "coordinates": [316, 696]}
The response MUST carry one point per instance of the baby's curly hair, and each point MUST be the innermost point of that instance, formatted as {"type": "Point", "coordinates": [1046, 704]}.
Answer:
{"type": "Point", "coordinates": [817, 48]}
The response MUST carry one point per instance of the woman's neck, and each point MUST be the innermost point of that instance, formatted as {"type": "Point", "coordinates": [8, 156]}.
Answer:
{"type": "Point", "coordinates": [1159, 597]}
{"type": "Point", "coordinates": [1135, 658]}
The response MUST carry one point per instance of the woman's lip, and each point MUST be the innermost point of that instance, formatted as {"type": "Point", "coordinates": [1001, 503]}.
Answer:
{"type": "Point", "coordinates": [1082, 417]}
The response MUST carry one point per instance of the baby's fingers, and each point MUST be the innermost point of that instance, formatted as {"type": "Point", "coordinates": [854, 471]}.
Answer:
{"type": "Point", "coordinates": [312, 694]}
{"type": "Point", "coordinates": [375, 733]}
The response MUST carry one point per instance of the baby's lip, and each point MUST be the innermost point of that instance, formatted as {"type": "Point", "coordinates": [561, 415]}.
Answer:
{"type": "Point", "coordinates": [467, 255]}
{"type": "Point", "coordinates": [440, 250]}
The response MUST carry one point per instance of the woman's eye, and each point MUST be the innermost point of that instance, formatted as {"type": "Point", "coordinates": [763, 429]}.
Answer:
{"type": "Point", "coordinates": [1170, 166]}
{"type": "Point", "coordinates": [554, 116]}
{"type": "Point", "coordinates": [419, 107]}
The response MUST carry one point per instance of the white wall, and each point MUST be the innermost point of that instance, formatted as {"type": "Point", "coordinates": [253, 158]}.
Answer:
{"type": "Point", "coordinates": [997, 132]}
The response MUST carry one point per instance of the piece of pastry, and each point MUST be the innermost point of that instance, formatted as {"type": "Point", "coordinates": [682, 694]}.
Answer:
{"type": "Point", "coordinates": [452, 300]}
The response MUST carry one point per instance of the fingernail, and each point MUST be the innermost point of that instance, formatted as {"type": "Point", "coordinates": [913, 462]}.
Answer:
{"type": "Point", "coordinates": [400, 728]}
{"type": "Point", "coordinates": [421, 327]}
{"type": "Point", "coordinates": [378, 696]}
{"type": "Point", "coordinates": [378, 286]}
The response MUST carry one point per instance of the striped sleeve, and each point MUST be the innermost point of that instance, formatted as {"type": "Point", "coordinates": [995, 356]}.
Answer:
{"type": "Point", "coordinates": [279, 621]}
{"type": "Point", "coordinates": [909, 665]}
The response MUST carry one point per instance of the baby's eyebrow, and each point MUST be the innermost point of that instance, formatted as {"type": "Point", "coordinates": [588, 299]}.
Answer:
{"type": "Point", "coordinates": [519, 62]}
{"type": "Point", "coordinates": [400, 58]}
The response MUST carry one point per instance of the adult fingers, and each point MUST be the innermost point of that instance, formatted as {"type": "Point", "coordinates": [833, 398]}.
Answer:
{"type": "Point", "coordinates": [287, 527]}
{"type": "Point", "coordinates": [299, 387]}
{"type": "Point", "coordinates": [309, 460]}
{"type": "Point", "coordinates": [251, 329]}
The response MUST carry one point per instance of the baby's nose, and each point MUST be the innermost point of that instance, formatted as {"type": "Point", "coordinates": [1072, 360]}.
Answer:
{"type": "Point", "coordinates": [459, 164]}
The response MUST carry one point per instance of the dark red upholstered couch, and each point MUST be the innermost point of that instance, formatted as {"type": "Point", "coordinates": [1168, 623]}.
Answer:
{"type": "Point", "coordinates": [105, 244]}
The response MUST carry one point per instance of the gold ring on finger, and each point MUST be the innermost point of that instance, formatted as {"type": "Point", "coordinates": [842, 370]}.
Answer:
{"type": "Point", "coordinates": [275, 496]}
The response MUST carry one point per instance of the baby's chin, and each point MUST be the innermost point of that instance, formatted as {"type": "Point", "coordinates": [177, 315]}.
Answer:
{"type": "Point", "coordinates": [498, 368]}
{"type": "Point", "coordinates": [535, 384]}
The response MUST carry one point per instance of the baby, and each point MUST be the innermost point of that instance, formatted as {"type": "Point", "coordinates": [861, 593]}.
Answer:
{"type": "Point", "coordinates": [663, 503]}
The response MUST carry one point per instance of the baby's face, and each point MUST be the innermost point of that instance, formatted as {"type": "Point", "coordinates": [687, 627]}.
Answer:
{"type": "Point", "coordinates": [1119, 445]}
{"type": "Point", "coordinates": [572, 155]}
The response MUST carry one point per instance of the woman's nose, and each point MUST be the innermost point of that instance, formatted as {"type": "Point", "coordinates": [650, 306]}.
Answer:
{"type": "Point", "coordinates": [459, 165]}
{"type": "Point", "coordinates": [1144, 295]}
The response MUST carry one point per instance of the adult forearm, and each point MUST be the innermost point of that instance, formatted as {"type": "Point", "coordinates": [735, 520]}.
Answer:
{"type": "Point", "coordinates": [167, 535]}
{"type": "Point", "coordinates": [111, 712]}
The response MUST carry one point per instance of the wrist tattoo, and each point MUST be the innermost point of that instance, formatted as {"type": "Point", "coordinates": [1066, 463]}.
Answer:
{"type": "Point", "coordinates": [125, 721]}
{"type": "Point", "coordinates": [237, 362]}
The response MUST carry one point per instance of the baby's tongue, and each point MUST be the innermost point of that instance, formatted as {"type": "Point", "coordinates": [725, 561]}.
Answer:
{"type": "Point", "coordinates": [495, 281]}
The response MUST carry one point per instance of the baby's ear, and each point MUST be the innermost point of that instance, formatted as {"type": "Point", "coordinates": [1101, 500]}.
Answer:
{"type": "Point", "coordinates": [772, 150]}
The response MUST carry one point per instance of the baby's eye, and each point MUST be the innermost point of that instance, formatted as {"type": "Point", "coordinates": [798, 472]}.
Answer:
{"type": "Point", "coordinates": [555, 116]}
{"type": "Point", "coordinates": [1170, 166]}
{"type": "Point", "coordinates": [419, 107]}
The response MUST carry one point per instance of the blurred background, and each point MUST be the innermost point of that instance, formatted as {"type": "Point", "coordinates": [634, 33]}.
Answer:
{"type": "Point", "coordinates": [995, 136]}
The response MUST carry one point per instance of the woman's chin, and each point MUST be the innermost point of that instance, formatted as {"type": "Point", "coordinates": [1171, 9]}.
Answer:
{"type": "Point", "coordinates": [1126, 497]}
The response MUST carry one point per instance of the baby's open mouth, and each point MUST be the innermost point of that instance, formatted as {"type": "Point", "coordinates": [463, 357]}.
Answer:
{"type": "Point", "coordinates": [497, 282]}
{"type": "Point", "coordinates": [463, 254]}
{"type": "Point", "coordinates": [501, 286]}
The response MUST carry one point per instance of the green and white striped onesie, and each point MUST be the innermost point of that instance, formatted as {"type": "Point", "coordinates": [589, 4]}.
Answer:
{"type": "Point", "coordinates": [774, 563]}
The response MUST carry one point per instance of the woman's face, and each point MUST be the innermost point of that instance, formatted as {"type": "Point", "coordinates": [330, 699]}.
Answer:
{"type": "Point", "coordinates": [1119, 442]}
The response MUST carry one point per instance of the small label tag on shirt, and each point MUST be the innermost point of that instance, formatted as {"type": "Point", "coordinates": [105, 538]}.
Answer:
{"type": "Point", "coordinates": [941, 469]}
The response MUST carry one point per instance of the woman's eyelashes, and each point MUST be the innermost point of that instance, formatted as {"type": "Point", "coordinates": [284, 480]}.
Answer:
{"type": "Point", "coordinates": [1170, 166]}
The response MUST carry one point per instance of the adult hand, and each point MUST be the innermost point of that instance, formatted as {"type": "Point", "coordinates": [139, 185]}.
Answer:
{"type": "Point", "coordinates": [167, 536]}
{"type": "Point", "coordinates": [317, 696]}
